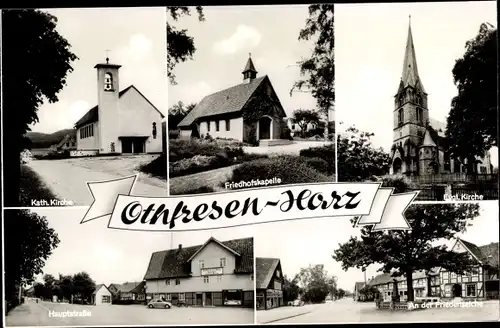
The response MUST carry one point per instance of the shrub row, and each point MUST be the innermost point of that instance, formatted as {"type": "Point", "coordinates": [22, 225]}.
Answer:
{"type": "Point", "coordinates": [326, 153]}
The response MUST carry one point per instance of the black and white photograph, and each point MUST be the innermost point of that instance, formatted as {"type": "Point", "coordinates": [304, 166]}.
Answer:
{"type": "Point", "coordinates": [95, 105]}
{"type": "Point", "coordinates": [418, 97]}
{"type": "Point", "coordinates": [55, 275]}
{"type": "Point", "coordinates": [329, 271]}
{"type": "Point", "coordinates": [250, 102]}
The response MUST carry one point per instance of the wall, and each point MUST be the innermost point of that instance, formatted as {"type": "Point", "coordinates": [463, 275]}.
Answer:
{"type": "Point", "coordinates": [90, 143]}
{"type": "Point", "coordinates": [136, 118]}
{"type": "Point", "coordinates": [185, 134]}
{"type": "Point", "coordinates": [235, 128]}
{"type": "Point", "coordinates": [98, 297]}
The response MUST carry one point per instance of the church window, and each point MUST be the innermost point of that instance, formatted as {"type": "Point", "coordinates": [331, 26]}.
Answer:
{"type": "Point", "coordinates": [419, 100]}
{"type": "Point", "coordinates": [419, 115]}
{"type": "Point", "coordinates": [154, 130]}
{"type": "Point", "coordinates": [108, 82]}
{"type": "Point", "coordinates": [400, 116]}
{"type": "Point", "coordinates": [217, 125]}
{"type": "Point", "coordinates": [228, 125]}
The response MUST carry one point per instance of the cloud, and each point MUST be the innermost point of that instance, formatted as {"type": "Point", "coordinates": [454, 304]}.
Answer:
{"type": "Point", "coordinates": [138, 47]}
{"type": "Point", "coordinates": [191, 93]}
{"type": "Point", "coordinates": [77, 109]}
{"type": "Point", "coordinates": [243, 38]}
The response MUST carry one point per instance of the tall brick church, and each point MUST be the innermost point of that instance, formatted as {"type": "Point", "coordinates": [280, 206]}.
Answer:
{"type": "Point", "coordinates": [419, 143]}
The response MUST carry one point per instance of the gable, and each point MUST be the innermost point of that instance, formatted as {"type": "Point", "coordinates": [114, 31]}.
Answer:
{"type": "Point", "coordinates": [212, 250]}
{"type": "Point", "coordinates": [265, 270]}
{"type": "Point", "coordinates": [266, 89]}
{"type": "Point", "coordinates": [133, 99]}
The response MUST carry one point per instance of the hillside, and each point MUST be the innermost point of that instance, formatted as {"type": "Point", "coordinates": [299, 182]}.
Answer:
{"type": "Point", "coordinates": [45, 140]}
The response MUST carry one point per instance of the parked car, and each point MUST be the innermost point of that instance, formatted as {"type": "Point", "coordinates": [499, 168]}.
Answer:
{"type": "Point", "coordinates": [298, 303]}
{"type": "Point", "coordinates": [159, 304]}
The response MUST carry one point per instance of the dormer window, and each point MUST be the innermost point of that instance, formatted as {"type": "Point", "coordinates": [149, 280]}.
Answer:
{"type": "Point", "coordinates": [108, 82]}
{"type": "Point", "coordinates": [154, 130]}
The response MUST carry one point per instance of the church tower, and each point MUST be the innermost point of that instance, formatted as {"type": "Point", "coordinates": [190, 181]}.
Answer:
{"type": "Point", "coordinates": [249, 73]}
{"type": "Point", "coordinates": [108, 108]}
{"type": "Point", "coordinates": [411, 115]}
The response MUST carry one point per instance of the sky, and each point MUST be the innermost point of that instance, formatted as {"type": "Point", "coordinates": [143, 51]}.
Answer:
{"type": "Point", "coordinates": [300, 243]}
{"type": "Point", "coordinates": [224, 41]}
{"type": "Point", "coordinates": [370, 42]}
{"type": "Point", "coordinates": [114, 256]}
{"type": "Point", "coordinates": [136, 38]}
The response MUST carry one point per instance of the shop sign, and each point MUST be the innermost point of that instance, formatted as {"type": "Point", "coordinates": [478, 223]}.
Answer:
{"type": "Point", "coordinates": [211, 271]}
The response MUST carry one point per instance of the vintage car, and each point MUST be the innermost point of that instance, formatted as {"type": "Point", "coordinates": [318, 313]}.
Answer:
{"type": "Point", "coordinates": [159, 304]}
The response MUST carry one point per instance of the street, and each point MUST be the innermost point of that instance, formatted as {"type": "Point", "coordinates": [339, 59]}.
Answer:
{"type": "Point", "coordinates": [348, 311]}
{"type": "Point", "coordinates": [37, 314]}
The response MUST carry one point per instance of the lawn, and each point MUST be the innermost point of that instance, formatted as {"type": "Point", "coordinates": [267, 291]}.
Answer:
{"type": "Point", "coordinates": [32, 188]}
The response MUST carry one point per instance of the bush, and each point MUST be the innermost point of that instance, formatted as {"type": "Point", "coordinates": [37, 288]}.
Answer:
{"type": "Point", "coordinates": [157, 167]}
{"type": "Point", "coordinates": [318, 164]}
{"type": "Point", "coordinates": [26, 156]}
{"type": "Point", "coordinates": [399, 182]}
{"type": "Point", "coordinates": [32, 187]}
{"type": "Point", "coordinates": [286, 134]}
{"type": "Point", "coordinates": [196, 164]}
{"type": "Point", "coordinates": [181, 149]}
{"type": "Point", "coordinates": [290, 169]}
{"type": "Point", "coordinates": [200, 190]}
{"type": "Point", "coordinates": [326, 153]}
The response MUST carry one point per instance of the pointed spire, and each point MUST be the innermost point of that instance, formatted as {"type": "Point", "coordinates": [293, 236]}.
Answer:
{"type": "Point", "coordinates": [249, 72]}
{"type": "Point", "coordinates": [410, 71]}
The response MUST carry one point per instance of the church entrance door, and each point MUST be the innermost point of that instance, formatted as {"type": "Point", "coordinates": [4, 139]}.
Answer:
{"type": "Point", "coordinates": [265, 125]}
{"type": "Point", "coordinates": [133, 145]}
{"type": "Point", "coordinates": [397, 165]}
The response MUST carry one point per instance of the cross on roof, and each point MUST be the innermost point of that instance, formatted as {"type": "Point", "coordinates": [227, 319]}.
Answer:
{"type": "Point", "coordinates": [107, 55]}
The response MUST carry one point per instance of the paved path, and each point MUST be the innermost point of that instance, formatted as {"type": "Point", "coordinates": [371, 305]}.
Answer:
{"type": "Point", "coordinates": [68, 178]}
{"type": "Point", "coordinates": [348, 311]}
{"type": "Point", "coordinates": [33, 314]}
{"type": "Point", "coordinates": [291, 149]}
{"type": "Point", "coordinates": [212, 179]}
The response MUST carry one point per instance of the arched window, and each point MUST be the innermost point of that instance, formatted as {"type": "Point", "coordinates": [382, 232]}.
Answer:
{"type": "Point", "coordinates": [108, 82]}
{"type": "Point", "coordinates": [154, 130]}
{"type": "Point", "coordinates": [400, 116]}
{"type": "Point", "coordinates": [419, 115]}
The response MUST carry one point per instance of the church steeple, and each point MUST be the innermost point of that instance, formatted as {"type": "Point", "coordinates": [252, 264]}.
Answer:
{"type": "Point", "coordinates": [249, 73]}
{"type": "Point", "coordinates": [410, 75]}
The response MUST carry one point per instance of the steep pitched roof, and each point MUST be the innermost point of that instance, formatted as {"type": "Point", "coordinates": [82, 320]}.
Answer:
{"type": "Point", "coordinates": [249, 66]}
{"type": "Point", "coordinates": [264, 270]}
{"type": "Point", "coordinates": [212, 239]}
{"type": "Point", "coordinates": [410, 75]}
{"type": "Point", "coordinates": [174, 263]}
{"type": "Point", "coordinates": [227, 101]}
{"type": "Point", "coordinates": [99, 286]}
{"type": "Point", "coordinates": [129, 287]}
{"type": "Point", "coordinates": [487, 254]}
{"type": "Point", "coordinates": [93, 114]}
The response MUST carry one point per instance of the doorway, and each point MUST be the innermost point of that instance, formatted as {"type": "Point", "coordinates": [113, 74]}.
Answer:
{"type": "Point", "coordinates": [457, 290]}
{"type": "Point", "coordinates": [397, 165]}
{"type": "Point", "coordinates": [265, 125]}
{"type": "Point", "coordinates": [208, 299]}
{"type": "Point", "coordinates": [133, 145]}
{"type": "Point", "coordinates": [199, 299]}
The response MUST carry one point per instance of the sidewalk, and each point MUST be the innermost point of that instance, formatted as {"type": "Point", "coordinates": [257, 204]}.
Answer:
{"type": "Point", "coordinates": [27, 314]}
{"type": "Point", "coordinates": [284, 312]}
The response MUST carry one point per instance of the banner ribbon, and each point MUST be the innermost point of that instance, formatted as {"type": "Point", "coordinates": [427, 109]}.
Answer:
{"type": "Point", "coordinates": [375, 205]}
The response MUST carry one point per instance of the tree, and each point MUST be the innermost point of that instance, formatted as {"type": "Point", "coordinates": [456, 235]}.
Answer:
{"type": "Point", "coordinates": [65, 286]}
{"type": "Point", "coordinates": [180, 46]}
{"type": "Point", "coordinates": [403, 252]}
{"type": "Point", "coordinates": [29, 242]}
{"type": "Point", "coordinates": [357, 159]}
{"type": "Point", "coordinates": [177, 112]}
{"type": "Point", "coordinates": [39, 290]}
{"type": "Point", "coordinates": [341, 293]}
{"type": "Point", "coordinates": [291, 289]}
{"type": "Point", "coordinates": [472, 121]}
{"type": "Point", "coordinates": [36, 61]}
{"type": "Point", "coordinates": [315, 283]}
{"type": "Point", "coordinates": [50, 284]}
{"type": "Point", "coordinates": [304, 117]}
{"type": "Point", "coordinates": [319, 68]}
{"type": "Point", "coordinates": [83, 285]}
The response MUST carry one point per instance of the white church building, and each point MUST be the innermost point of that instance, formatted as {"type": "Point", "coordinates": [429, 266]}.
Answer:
{"type": "Point", "coordinates": [122, 122]}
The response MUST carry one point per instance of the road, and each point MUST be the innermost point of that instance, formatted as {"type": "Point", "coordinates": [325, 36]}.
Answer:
{"type": "Point", "coordinates": [37, 314]}
{"type": "Point", "coordinates": [67, 178]}
{"type": "Point", "coordinates": [348, 311]}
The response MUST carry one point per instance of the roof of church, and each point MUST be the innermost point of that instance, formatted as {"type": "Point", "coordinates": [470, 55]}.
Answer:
{"type": "Point", "coordinates": [410, 75]}
{"type": "Point", "coordinates": [93, 114]}
{"type": "Point", "coordinates": [428, 141]}
{"type": "Point", "coordinates": [229, 100]}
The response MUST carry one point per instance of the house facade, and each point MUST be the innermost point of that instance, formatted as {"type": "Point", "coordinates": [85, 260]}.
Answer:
{"type": "Point", "coordinates": [101, 295]}
{"type": "Point", "coordinates": [269, 283]}
{"type": "Point", "coordinates": [248, 110]}
{"type": "Point", "coordinates": [481, 283]}
{"type": "Point", "coordinates": [129, 291]}
{"type": "Point", "coordinates": [213, 274]}
{"type": "Point", "coordinates": [357, 296]}
{"type": "Point", "coordinates": [419, 143]}
{"type": "Point", "coordinates": [295, 128]}
{"type": "Point", "coordinates": [122, 122]}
